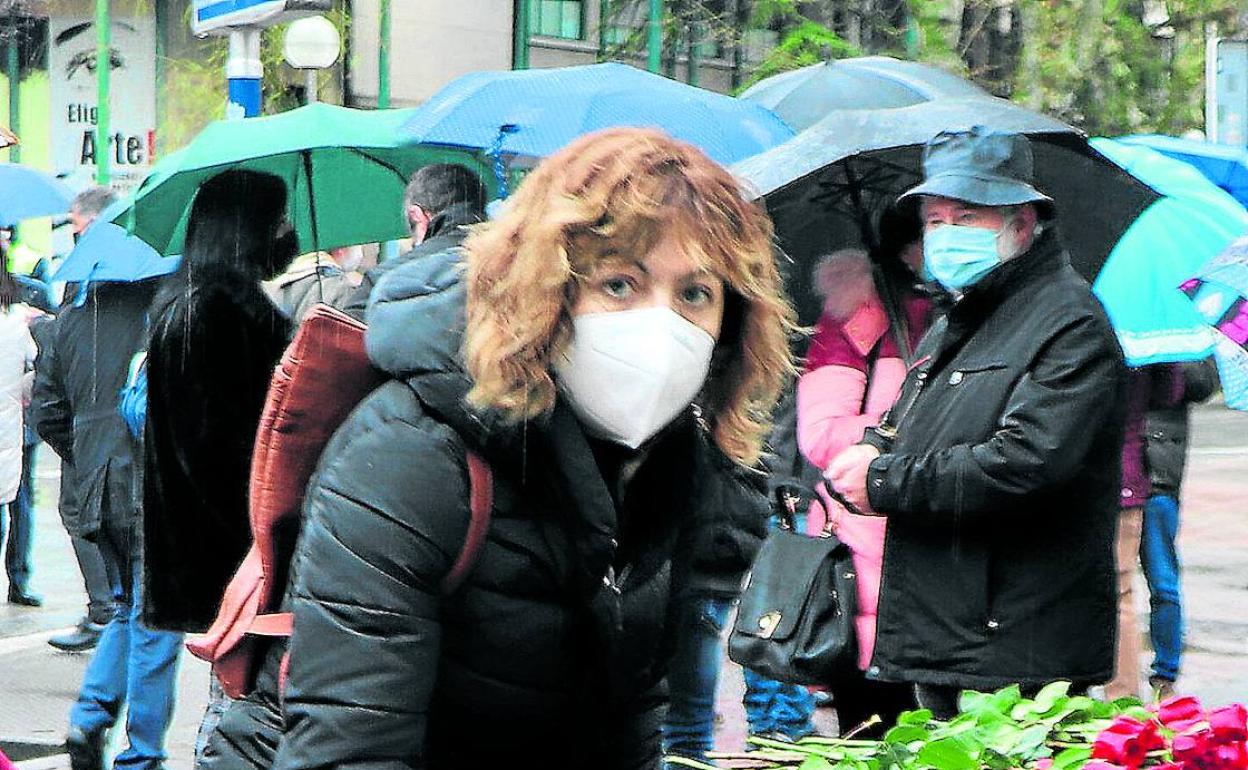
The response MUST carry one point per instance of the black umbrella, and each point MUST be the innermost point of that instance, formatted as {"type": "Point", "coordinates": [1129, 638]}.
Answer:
{"type": "Point", "coordinates": [803, 97]}
{"type": "Point", "coordinates": [826, 187]}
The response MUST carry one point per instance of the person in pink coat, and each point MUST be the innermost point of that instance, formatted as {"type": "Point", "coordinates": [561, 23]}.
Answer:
{"type": "Point", "coordinates": [853, 372]}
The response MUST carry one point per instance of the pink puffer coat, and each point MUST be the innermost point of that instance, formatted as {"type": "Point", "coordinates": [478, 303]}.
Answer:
{"type": "Point", "coordinates": [853, 373]}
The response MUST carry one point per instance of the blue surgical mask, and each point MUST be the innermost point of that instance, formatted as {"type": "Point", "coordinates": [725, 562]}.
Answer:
{"type": "Point", "coordinates": [958, 257]}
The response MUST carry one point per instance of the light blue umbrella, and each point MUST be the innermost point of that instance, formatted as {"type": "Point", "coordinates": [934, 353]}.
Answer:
{"type": "Point", "coordinates": [1223, 164]}
{"type": "Point", "coordinates": [26, 193]}
{"type": "Point", "coordinates": [1219, 292]}
{"type": "Point", "coordinates": [1168, 243]}
{"type": "Point", "coordinates": [536, 112]}
{"type": "Point", "coordinates": [105, 252]}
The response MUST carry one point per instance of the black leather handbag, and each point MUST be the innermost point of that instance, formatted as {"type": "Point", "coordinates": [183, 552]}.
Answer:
{"type": "Point", "coordinates": [795, 622]}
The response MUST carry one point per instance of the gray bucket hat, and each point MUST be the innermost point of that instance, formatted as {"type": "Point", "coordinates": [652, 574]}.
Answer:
{"type": "Point", "coordinates": [979, 166]}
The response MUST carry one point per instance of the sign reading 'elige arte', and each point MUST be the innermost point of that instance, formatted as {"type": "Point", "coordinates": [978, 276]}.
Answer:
{"type": "Point", "coordinates": [132, 100]}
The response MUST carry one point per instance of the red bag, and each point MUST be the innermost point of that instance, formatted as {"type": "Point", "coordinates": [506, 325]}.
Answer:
{"type": "Point", "coordinates": [321, 378]}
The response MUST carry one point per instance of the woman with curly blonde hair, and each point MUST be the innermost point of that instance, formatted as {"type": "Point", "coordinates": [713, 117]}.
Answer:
{"type": "Point", "coordinates": [610, 347]}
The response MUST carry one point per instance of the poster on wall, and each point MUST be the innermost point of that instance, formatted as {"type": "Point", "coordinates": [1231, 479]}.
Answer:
{"type": "Point", "coordinates": [132, 118]}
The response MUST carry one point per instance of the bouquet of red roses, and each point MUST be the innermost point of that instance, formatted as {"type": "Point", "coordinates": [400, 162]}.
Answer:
{"type": "Point", "coordinates": [1178, 735]}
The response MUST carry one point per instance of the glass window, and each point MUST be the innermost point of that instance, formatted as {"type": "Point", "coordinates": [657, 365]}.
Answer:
{"type": "Point", "coordinates": [557, 18]}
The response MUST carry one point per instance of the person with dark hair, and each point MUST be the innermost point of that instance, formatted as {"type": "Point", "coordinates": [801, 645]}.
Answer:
{"type": "Point", "coordinates": [215, 338]}
{"type": "Point", "coordinates": [440, 202]}
{"type": "Point", "coordinates": [17, 357]}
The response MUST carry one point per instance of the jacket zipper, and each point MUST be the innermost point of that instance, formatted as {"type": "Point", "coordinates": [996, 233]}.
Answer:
{"type": "Point", "coordinates": [889, 427]}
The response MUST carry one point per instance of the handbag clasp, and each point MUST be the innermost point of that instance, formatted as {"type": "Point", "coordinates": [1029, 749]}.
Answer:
{"type": "Point", "coordinates": [768, 623]}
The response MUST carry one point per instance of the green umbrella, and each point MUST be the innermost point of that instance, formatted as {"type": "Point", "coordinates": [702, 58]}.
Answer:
{"type": "Point", "coordinates": [344, 169]}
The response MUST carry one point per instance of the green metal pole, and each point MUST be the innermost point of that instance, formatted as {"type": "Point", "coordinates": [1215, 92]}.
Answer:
{"type": "Point", "coordinates": [13, 71]}
{"type": "Point", "coordinates": [383, 58]}
{"type": "Point", "coordinates": [103, 67]}
{"type": "Point", "coordinates": [604, 17]}
{"type": "Point", "coordinates": [654, 37]}
{"type": "Point", "coordinates": [520, 47]}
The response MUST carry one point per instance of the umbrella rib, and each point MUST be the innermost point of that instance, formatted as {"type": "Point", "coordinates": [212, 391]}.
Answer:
{"type": "Point", "coordinates": [379, 162]}
{"type": "Point", "coordinates": [307, 171]}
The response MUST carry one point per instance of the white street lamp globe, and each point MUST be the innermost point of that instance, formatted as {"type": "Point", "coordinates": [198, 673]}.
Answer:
{"type": "Point", "coordinates": [312, 43]}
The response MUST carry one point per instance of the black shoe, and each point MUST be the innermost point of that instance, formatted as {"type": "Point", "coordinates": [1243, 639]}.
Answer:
{"type": "Point", "coordinates": [81, 639]}
{"type": "Point", "coordinates": [24, 599]}
{"type": "Point", "coordinates": [86, 750]}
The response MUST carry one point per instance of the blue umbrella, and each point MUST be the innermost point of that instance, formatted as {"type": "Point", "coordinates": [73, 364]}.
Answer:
{"type": "Point", "coordinates": [1219, 292]}
{"type": "Point", "coordinates": [1139, 285]}
{"type": "Point", "coordinates": [26, 193]}
{"type": "Point", "coordinates": [805, 96]}
{"type": "Point", "coordinates": [1224, 165]}
{"type": "Point", "coordinates": [536, 112]}
{"type": "Point", "coordinates": [105, 252]}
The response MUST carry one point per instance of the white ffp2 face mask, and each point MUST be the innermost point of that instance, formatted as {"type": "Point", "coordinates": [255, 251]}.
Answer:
{"type": "Point", "coordinates": [629, 373]}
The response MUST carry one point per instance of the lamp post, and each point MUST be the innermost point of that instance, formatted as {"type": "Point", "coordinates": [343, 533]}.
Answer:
{"type": "Point", "coordinates": [312, 44]}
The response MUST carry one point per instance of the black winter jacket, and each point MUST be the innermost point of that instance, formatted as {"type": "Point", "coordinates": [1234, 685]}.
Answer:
{"type": "Point", "coordinates": [1166, 429]}
{"type": "Point", "coordinates": [554, 650]}
{"type": "Point", "coordinates": [83, 363]}
{"type": "Point", "coordinates": [1001, 488]}
{"type": "Point", "coordinates": [210, 359]}
{"type": "Point", "coordinates": [447, 231]}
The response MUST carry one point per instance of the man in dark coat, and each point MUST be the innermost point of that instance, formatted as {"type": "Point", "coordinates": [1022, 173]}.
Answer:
{"type": "Point", "coordinates": [85, 208]}
{"type": "Point", "coordinates": [79, 387]}
{"type": "Point", "coordinates": [999, 467]}
{"type": "Point", "coordinates": [440, 202]}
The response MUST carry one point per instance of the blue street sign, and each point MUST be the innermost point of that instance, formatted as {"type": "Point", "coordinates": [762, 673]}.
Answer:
{"type": "Point", "coordinates": [220, 16]}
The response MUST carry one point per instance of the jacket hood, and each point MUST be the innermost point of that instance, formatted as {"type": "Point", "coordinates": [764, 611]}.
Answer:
{"type": "Point", "coordinates": [416, 319]}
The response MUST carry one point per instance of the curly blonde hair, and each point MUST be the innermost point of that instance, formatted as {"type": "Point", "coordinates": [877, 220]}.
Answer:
{"type": "Point", "coordinates": [611, 193]}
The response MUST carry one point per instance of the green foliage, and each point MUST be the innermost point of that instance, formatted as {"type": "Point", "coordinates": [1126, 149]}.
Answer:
{"type": "Point", "coordinates": [195, 84]}
{"type": "Point", "coordinates": [996, 731]}
{"type": "Point", "coordinates": [807, 43]}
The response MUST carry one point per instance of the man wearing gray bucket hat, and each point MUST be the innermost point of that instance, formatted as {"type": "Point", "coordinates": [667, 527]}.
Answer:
{"type": "Point", "coordinates": [998, 468]}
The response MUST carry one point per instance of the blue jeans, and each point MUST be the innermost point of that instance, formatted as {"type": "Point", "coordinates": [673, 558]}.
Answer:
{"type": "Point", "coordinates": [777, 707]}
{"type": "Point", "coordinates": [22, 518]}
{"type": "Point", "coordinates": [689, 730]}
{"type": "Point", "coordinates": [1160, 559]}
{"type": "Point", "coordinates": [132, 663]}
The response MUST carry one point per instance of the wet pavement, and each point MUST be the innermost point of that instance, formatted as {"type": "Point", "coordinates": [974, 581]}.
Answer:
{"type": "Point", "coordinates": [38, 684]}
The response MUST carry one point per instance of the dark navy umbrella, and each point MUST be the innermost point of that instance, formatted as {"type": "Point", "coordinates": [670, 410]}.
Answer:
{"type": "Point", "coordinates": [105, 252]}
{"type": "Point", "coordinates": [26, 193]}
{"type": "Point", "coordinates": [804, 97]}
{"type": "Point", "coordinates": [1224, 165]}
{"type": "Point", "coordinates": [826, 187]}
{"type": "Point", "coordinates": [536, 112]}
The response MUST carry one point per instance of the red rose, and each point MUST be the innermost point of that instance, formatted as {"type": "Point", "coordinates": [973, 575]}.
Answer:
{"type": "Point", "coordinates": [1127, 742]}
{"type": "Point", "coordinates": [1230, 723]}
{"type": "Point", "coordinates": [1196, 750]}
{"type": "Point", "coordinates": [1180, 712]}
{"type": "Point", "coordinates": [1231, 756]}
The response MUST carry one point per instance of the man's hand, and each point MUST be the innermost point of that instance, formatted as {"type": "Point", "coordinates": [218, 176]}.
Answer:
{"type": "Point", "coordinates": [848, 475]}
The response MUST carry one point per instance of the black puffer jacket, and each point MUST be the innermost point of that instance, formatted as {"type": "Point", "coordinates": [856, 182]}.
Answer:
{"type": "Point", "coordinates": [447, 231]}
{"type": "Point", "coordinates": [1001, 489]}
{"type": "Point", "coordinates": [554, 650]}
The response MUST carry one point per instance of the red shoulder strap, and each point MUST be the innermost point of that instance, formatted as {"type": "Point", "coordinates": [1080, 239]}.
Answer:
{"type": "Point", "coordinates": [481, 503]}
